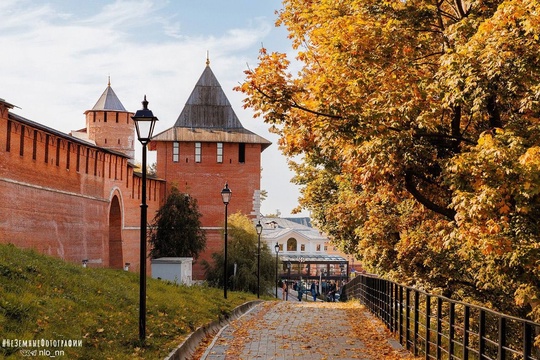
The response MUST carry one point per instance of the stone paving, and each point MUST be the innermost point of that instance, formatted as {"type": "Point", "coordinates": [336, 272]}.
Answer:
{"type": "Point", "coordinates": [294, 330]}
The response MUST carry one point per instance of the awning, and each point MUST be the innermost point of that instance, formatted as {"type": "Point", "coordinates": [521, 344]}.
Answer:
{"type": "Point", "coordinates": [312, 258]}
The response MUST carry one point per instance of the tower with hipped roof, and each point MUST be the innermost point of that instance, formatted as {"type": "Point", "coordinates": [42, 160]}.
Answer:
{"type": "Point", "coordinates": [109, 124]}
{"type": "Point", "coordinates": [206, 148]}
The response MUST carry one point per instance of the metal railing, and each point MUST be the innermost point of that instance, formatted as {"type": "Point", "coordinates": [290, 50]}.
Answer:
{"type": "Point", "coordinates": [441, 328]}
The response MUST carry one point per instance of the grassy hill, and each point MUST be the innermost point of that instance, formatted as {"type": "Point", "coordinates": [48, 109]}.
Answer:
{"type": "Point", "coordinates": [45, 298]}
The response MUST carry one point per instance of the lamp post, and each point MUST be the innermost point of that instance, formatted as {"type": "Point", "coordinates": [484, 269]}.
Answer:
{"type": "Point", "coordinates": [226, 197]}
{"type": "Point", "coordinates": [276, 248]}
{"type": "Point", "coordinates": [144, 124]}
{"type": "Point", "coordinates": [259, 229]}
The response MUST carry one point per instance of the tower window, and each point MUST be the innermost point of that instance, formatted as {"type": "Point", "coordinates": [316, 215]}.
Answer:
{"type": "Point", "coordinates": [198, 152]}
{"type": "Point", "coordinates": [242, 153]}
{"type": "Point", "coordinates": [220, 152]}
{"type": "Point", "coordinates": [175, 151]}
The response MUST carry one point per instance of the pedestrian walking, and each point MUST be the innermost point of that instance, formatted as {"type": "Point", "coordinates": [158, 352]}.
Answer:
{"type": "Point", "coordinates": [300, 289]}
{"type": "Point", "coordinates": [313, 290]}
{"type": "Point", "coordinates": [333, 292]}
{"type": "Point", "coordinates": [284, 291]}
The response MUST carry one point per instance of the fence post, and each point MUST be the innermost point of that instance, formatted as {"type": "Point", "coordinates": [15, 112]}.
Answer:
{"type": "Point", "coordinates": [388, 302]}
{"type": "Point", "coordinates": [502, 338]}
{"type": "Point", "coordinates": [439, 327]}
{"type": "Point", "coordinates": [451, 329]}
{"type": "Point", "coordinates": [396, 306]}
{"type": "Point", "coordinates": [400, 319]}
{"type": "Point", "coordinates": [416, 321]}
{"type": "Point", "coordinates": [527, 343]}
{"type": "Point", "coordinates": [407, 318]}
{"type": "Point", "coordinates": [466, 326]}
{"type": "Point", "coordinates": [482, 334]}
{"type": "Point", "coordinates": [428, 321]}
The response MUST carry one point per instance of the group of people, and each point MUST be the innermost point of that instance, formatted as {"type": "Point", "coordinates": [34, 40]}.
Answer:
{"type": "Point", "coordinates": [313, 290]}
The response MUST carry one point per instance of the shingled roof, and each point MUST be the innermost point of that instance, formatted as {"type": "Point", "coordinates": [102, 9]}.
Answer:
{"type": "Point", "coordinates": [209, 117]}
{"type": "Point", "coordinates": [208, 106]}
{"type": "Point", "coordinates": [108, 101]}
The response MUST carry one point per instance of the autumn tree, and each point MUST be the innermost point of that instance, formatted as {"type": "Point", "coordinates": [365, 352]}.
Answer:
{"type": "Point", "coordinates": [417, 123]}
{"type": "Point", "coordinates": [176, 229]}
{"type": "Point", "coordinates": [242, 251]}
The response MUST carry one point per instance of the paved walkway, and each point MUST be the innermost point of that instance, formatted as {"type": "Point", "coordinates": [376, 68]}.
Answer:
{"type": "Point", "coordinates": [303, 331]}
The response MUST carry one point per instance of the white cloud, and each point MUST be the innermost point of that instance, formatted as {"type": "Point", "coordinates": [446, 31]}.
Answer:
{"type": "Point", "coordinates": [56, 63]}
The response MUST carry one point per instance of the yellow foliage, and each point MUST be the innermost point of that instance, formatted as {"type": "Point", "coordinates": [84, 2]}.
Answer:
{"type": "Point", "coordinates": [414, 143]}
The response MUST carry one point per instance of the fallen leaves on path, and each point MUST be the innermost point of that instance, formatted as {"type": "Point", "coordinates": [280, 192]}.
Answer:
{"type": "Point", "coordinates": [309, 330]}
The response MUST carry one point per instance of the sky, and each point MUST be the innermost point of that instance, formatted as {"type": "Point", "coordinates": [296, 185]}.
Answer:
{"type": "Point", "coordinates": [58, 55]}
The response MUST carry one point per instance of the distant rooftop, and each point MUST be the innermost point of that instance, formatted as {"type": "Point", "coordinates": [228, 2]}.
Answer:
{"type": "Point", "coordinates": [306, 221]}
{"type": "Point", "coordinates": [274, 228]}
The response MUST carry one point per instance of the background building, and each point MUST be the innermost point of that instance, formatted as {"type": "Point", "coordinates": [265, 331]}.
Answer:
{"type": "Point", "coordinates": [303, 250]}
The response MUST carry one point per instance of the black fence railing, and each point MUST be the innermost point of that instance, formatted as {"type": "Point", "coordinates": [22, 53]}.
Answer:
{"type": "Point", "coordinates": [441, 328]}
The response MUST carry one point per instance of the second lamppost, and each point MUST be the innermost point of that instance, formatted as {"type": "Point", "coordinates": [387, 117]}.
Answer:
{"type": "Point", "coordinates": [259, 229]}
{"type": "Point", "coordinates": [144, 124]}
{"type": "Point", "coordinates": [226, 197]}
{"type": "Point", "coordinates": [276, 248]}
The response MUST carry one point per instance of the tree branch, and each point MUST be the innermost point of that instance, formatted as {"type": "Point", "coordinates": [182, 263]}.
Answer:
{"type": "Point", "coordinates": [461, 10]}
{"type": "Point", "coordinates": [446, 136]}
{"type": "Point", "coordinates": [411, 188]}
{"type": "Point", "coordinates": [295, 105]}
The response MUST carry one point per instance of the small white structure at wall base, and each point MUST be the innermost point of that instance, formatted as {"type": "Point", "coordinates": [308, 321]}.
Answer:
{"type": "Point", "coordinates": [174, 269]}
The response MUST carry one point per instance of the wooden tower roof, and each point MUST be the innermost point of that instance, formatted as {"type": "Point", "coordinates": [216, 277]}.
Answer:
{"type": "Point", "coordinates": [209, 117]}
{"type": "Point", "coordinates": [208, 106]}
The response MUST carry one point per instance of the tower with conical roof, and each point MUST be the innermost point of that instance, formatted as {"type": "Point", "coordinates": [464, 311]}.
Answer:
{"type": "Point", "coordinates": [207, 147]}
{"type": "Point", "coordinates": [109, 124]}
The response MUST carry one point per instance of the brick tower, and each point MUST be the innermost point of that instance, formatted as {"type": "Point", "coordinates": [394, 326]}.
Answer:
{"type": "Point", "coordinates": [109, 124]}
{"type": "Point", "coordinates": [207, 147]}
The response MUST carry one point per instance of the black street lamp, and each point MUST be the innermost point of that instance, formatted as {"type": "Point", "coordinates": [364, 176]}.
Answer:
{"type": "Point", "coordinates": [259, 229]}
{"type": "Point", "coordinates": [276, 248]}
{"type": "Point", "coordinates": [226, 197]}
{"type": "Point", "coordinates": [144, 124]}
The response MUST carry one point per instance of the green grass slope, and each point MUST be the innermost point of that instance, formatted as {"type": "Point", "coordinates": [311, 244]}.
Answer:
{"type": "Point", "coordinates": [44, 298]}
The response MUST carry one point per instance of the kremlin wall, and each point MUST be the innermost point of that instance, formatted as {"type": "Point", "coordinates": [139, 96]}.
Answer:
{"type": "Point", "coordinates": [77, 196]}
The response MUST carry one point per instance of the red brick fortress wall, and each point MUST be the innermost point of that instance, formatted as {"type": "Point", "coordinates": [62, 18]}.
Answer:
{"type": "Point", "coordinates": [68, 198]}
